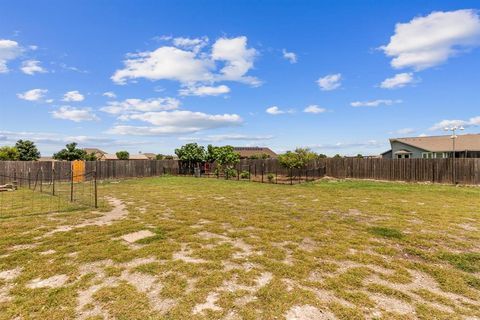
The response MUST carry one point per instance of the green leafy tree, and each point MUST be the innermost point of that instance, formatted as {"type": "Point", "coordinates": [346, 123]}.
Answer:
{"type": "Point", "coordinates": [322, 156]}
{"type": "Point", "coordinates": [297, 159]}
{"type": "Point", "coordinates": [91, 157]}
{"type": "Point", "coordinates": [359, 156]}
{"type": "Point", "coordinates": [226, 159]}
{"type": "Point", "coordinates": [261, 156]}
{"type": "Point", "coordinates": [159, 156]}
{"type": "Point", "coordinates": [337, 156]}
{"type": "Point", "coordinates": [191, 154]}
{"type": "Point", "coordinates": [211, 155]}
{"type": "Point", "coordinates": [27, 151]}
{"type": "Point", "coordinates": [9, 154]}
{"type": "Point", "coordinates": [70, 153]}
{"type": "Point", "coordinates": [123, 155]}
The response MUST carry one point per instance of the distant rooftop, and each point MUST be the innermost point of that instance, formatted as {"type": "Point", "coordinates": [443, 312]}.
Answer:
{"type": "Point", "coordinates": [464, 142]}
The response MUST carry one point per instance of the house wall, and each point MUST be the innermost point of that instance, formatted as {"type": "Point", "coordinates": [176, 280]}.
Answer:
{"type": "Point", "coordinates": [397, 146]}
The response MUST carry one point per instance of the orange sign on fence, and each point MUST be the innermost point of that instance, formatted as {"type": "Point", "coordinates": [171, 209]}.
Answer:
{"type": "Point", "coordinates": [78, 170]}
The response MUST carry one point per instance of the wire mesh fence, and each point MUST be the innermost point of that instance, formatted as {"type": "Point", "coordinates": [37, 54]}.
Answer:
{"type": "Point", "coordinates": [31, 192]}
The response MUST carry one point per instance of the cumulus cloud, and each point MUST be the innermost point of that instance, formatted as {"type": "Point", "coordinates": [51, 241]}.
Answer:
{"type": "Point", "coordinates": [187, 63]}
{"type": "Point", "coordinates": [314, 109]}
{"type": "Point", "coordinates": [109, 94]}
{"type": "Point", "coordinates": [330, 82]}
{"type": "Point", "coordinates": [31, 67]}
{"type": "Point", "coordinates": [375, 103]}
{"type": "Point", "coordinates": [472, 122]}
{"type": "Point", "coordinates": [173, 122]}
{"type": "Point", "coordinates": [74, 114]}
{"type": "Point", "coordinates": [33, 95]}
{"type": "Point", "coordinates": [204, 90]}
{"type": "Point", "coordinates": [398, 81]}
{"type": "Point", "coordinates": [290, 56]}
{"type": "Point", "coordinates": [73, 96]}
{"type": "Point", "coordinates": [9, 50]}
{"type": "Point", "coordinates": [274, 110]}
{"type": "Point", "coordinates": [139, 105]}
{"type": "Point", "coordinates": [428, 41]}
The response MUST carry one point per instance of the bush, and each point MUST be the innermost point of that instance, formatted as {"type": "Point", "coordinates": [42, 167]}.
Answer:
{"type": "Point", "coordinates": [244, 175]}
{"type": "Point", "coordinates": [123, 155]}
{"type": "Point", "coordinates": [230, 173]}
{"type": "Point", "coordinates": [270, 177]}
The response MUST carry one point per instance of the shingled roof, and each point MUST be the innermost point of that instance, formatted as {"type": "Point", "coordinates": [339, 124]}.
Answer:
{"type": "Point", "coordinates": [464, 142]}
{"type": "Point", "coordinates": [247, 152]}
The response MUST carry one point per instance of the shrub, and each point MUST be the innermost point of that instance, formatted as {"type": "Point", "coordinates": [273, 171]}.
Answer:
{"type": "Point", "coordinates": [123, 155]}
{"type": "Point", "coordinates": [70, 153]}
{"type": "Point", "coordinates": [270, 177]}
{"type": "Point", "coordinates": [244, 174]}
{"type": "Point", "coordinates": [230, 173]}
{"type": "Point", "coordinates": [9, 153]}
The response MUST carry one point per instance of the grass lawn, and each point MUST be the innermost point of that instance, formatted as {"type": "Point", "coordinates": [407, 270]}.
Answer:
{"type": "Point", "coordinates": [186, 248]}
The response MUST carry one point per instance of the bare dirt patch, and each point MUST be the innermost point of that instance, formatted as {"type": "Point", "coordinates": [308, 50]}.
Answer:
{"type": "Point", "coordinates": [52, 282]}
{"type": "Point", "coordinates": [139, 235]}
{"type": "Point", "coordinates": [308, 312]}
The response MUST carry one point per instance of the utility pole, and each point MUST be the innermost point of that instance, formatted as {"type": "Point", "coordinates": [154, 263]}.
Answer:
{"type": "Point", "coordinates": [453, 129]}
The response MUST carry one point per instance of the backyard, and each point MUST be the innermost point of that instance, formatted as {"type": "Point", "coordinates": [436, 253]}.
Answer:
{"type": "Point", "coordinates": [182, 247]}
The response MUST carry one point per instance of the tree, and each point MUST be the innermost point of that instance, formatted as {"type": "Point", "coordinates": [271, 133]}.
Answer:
{"type": "Point", "coordinates": [91, 157]}
{"type": "Point", "coordinates": [321, 156]}
{"type": "Point", "coordinates": [70, 153]}
{"type": "Point", "coordinates": [27, 151]}
{"type": "Point", "coordinates": [297, 159]}
{"type": "Point", "coordinates": [337, 156]}
{"type": "Point", "coordinates": [359, 156]}
{"type": "Point", "coordinates": [9, 154]}
{"type": "Point", "coordinates": [261, 156]}
{"type": "Point", "coordinates": [210, 156]}
{"type": "Point", "coordinates": [123, 155]}
{"type": "Point", "coordinates": [191, 154]}
{"type": "Point", "coordinates": [226, 159]}
{"type": "Point", "coordinates": [159, 157]}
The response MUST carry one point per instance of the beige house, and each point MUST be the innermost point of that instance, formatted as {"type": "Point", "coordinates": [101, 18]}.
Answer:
{"type": "Point", "coordinates": [112, 156]}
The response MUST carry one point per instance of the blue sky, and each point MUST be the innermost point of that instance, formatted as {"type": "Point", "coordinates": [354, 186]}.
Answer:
{"type": "Point", "coordinates": [335, 76]}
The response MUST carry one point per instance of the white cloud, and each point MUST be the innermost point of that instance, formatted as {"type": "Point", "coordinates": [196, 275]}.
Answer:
{"type": "Point", "coordinates": [290, 56]}
{"type": "Point", "coordinates": [330, 82]}
{"type": "Point", "coordinates": [472, 122]}
{"type": "Point", "coordinates": [139, 105]}
{"type": "Point", "coordinates": [314, 109]}
{"type": "Point", "coordinates": [9, 50]}
{"type": "Point", "coordinates": [204, 90]}
{"type": "Point", "coordinates": [274, 110]}
{"type": "Point", "coordinates": [31, 67]}
{"type": "Point", "coordinates": [375, 103]}
{"type": "Point", "coordinates": [173, 122]}
{"type": "Point", "coordinates": [237, 57]}
{"type": "Point", "coordinates": [33, 95]}
{"type": "Point", "coordinates": [74, 114]}
{"type": "Point", "coordinates": [194, 44]}
{"type": "Point", "coordinates": [73, 96]}
{"type": "Point", "coordinates": [226, 137]}
{"type": "Point", "coordinates": [187, 63]}
{"type": "Point", "coordinates": [428, 41]}
{"type": "Point", "coordinates": [109, 94]}
{"type": "Point", "coordinates": [398, 81]}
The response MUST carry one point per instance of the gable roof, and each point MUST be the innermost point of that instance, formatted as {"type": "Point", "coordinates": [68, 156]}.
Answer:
{"type": "Point", "coordinates": [140, 156]}
{"type": "Point", "coordinates": [150, 155]}
{"type": "Point", "coordinates": [93, 150]}
{"type": "Point", "coordinates": [246, 152]}
{"type": "Point", "coordinates": [469, 142]}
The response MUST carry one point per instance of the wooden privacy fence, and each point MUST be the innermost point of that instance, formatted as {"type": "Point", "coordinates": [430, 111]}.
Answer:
{"type": "Point", "coordinates": [466, 171]}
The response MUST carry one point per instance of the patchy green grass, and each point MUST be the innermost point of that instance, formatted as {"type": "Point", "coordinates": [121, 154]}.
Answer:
{"type": "Point", "coordinates": [216, 249]}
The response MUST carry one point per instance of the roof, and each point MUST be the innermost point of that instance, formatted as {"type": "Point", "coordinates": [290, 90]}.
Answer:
{"type": "Point", "coordinates": [403, 152]}
{"type": "Point", "coordinates": [109, 156]}
{"type": "Point", "coordinates": [140, 156]}
{"type": "Point", "coordinates": [93, 150]}
{"type": "Point", "coordinates": [150, 155]}
{"type": "Point", "coordinates": [246, 152]}
{"type": "Point", "coordinates": [468, 142]}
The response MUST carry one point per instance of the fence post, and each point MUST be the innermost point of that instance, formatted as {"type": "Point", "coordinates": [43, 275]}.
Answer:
{"type": "Point", "coordinates": [53, 181]}
{"type": "Point", "coordinates": [249, 171]}
{"type": "Point", "coordinates": [306, 175]}
{"type": "Point", "coordinates": [41, 180]}
{"type": "Point", "coordinates": [29, 179]}
{"type": "Point", "coordinates": [262, 172]}
{"type": "Point", "coordinates": [71, 185]}
{"type": "Point", "coordinates": [95, 188]}
{"type": "Point", "coordinates": [276, 175]}
{"type": "Point", "coordinates": [15, 175]}
{"type": "Point", "coordinates": [291, 176]}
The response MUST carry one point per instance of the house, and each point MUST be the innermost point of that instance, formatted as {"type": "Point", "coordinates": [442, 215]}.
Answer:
{"type": "Point", "coordinates": [150, 156]}
{"type": "Point", "coordinates": [97, 152]}
{"type": "Point", "coordinates": [252, 152]}
{"type": "Point", "coordinates": [466, 146]}
{"type": "Point", "coordinates": [112, 156]}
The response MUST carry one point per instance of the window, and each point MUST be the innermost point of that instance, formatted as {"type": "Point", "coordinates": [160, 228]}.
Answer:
{"type": "Point", "coordinates": [427, 155]}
